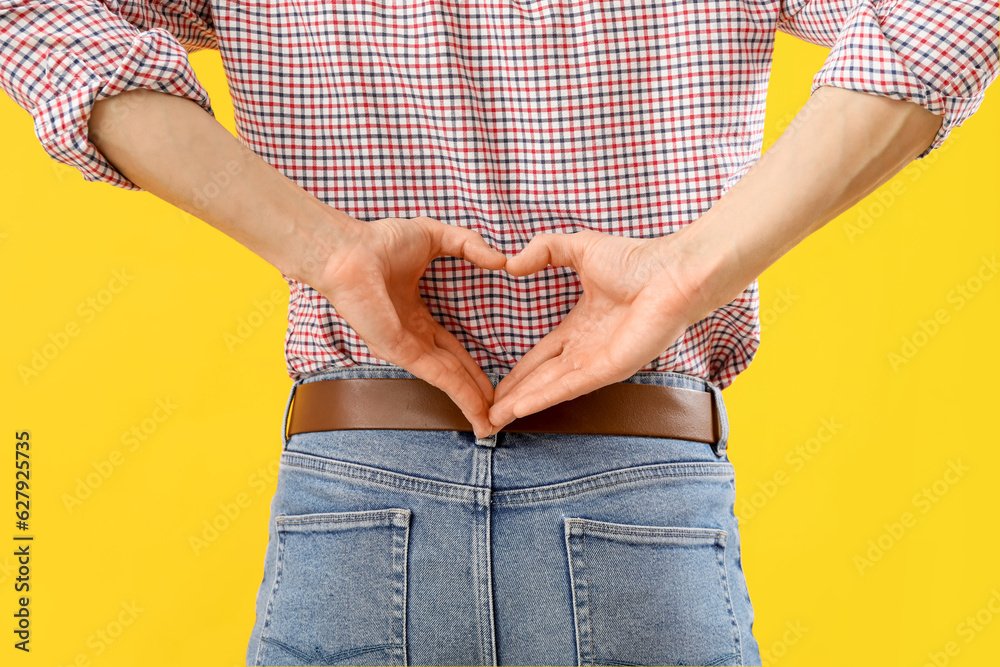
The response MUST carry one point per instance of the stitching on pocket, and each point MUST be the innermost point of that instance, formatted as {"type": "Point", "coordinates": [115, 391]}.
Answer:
{"type": "Point", "coordinates": [329, 658]}
{"type": "Point", "coordinates": [679, 532]}
{"type": "Point", "coordinates": [363, 517]}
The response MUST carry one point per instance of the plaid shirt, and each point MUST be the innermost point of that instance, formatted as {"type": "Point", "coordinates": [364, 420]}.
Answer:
{"type": "Point", "coordinates": [510, 117]}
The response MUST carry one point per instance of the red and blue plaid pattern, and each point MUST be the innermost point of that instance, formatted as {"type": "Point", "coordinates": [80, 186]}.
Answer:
{"type": "Point", "coordinates": [510, 117]}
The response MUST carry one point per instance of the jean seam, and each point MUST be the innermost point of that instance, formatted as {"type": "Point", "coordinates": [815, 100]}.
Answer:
{"type": "Point", "coordinates": [590, 622]}
{"type": "Point", "coordinates": [578, 582]}
{"type": "Point", "coordinates": [270, 597]}
{"type": "Point", "coordinates": [405, 482]}
{"type": "Point", "coordinates": [614, 478]}
{"type": "Point", "coordinates": [541, 494]}
{"type": "Point", "coordinates": [400, 546]}
{"type": "Point", "coordinates": [724, 581]}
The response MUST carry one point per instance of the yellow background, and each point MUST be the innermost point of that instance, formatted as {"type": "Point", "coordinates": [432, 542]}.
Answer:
{"type": "Point", "coordinates": [834, 309]}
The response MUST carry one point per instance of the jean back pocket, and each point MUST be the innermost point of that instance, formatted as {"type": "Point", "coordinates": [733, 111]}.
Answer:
{"type": "Point", "coordinates": [650, 595]}
{"type": "Point", "coordinates": [339, 594]}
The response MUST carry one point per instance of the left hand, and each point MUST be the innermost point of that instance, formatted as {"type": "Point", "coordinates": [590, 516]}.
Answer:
{"type": "Point", "coordinates": [634, 305]}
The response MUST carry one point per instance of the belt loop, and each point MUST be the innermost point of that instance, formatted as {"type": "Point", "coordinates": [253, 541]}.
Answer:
{"type": "Point", "coordinates": [284, 420]}
{"type": "Point", "coordinates": [721, 420]}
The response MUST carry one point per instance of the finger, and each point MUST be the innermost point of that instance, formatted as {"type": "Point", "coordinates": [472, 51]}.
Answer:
{"type": "Point", "coordinates": [456, 372]}
{"type": "Point", "coordinates": [551, 345]}
{"type": "Point", "coordinates": [557, 381]}
{"type": "Point", "coordinates": [570, 386]}
{"type": "Point", "coordinates": [447, 341]}
{"type": "Point", "coordinates": [474, 406]}
{"type": "Point", "coordinates": [548, 375]}
{"type": "Point", "coordinates": [546, 250]}
{"type": "Point", "coordinates": [441, 369]}
{"type": "Point", "coordinates": [462, 242]}
{"type": "Point", "coordinates": [396, 344]}
{"type": "Point", "coordinates": [465, 394]}
{"type": "Point", "coordinates": [447, 344]}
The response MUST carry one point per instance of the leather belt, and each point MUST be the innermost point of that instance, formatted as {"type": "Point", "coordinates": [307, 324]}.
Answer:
{"type": "Point", "coordinates": [622, 408]}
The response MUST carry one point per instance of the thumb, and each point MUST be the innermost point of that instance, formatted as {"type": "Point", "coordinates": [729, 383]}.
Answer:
{"type": "Point", "coordinates": [462, 242]}
{"type": "Point", "coordinates": [541, 251]}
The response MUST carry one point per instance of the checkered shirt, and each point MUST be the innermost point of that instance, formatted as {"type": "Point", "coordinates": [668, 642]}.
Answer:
{"type": "Point", "coordinates": [510, 117]}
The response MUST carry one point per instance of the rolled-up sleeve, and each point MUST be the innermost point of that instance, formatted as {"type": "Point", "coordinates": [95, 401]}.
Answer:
{"type": "Point", "coordinates": [940, 54]}
{"type": "Point", "coordinates": [58, 58]}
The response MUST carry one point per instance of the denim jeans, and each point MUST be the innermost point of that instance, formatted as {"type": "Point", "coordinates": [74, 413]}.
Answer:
{"type": "Point", "coordinates": [391, 547]}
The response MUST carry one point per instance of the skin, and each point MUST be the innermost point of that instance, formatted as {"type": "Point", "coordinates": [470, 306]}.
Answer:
{"type": "Point", "coordinates": [639, 295]}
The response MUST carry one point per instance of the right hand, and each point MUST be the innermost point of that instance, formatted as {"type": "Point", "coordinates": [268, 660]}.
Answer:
{"type": "Point", "coordinates": [370, 276]}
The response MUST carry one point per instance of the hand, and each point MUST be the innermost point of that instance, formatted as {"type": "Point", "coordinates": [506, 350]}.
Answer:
{"type": "Point", "coordinates": [634, 305]}
{"type": "Point", "coordinates": [371, 279]}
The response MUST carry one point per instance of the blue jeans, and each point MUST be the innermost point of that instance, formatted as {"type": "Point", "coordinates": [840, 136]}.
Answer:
{"type": "Point", "coordinates": [392, 547]}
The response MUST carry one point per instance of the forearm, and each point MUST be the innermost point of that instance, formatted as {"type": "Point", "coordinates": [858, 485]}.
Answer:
{"type": "Point", "coordinates": [171, 147]}
{"type": "Point", "coordinates": [840, 147]}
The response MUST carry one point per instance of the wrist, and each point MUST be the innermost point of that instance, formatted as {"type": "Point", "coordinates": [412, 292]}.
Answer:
{"type": "Point", "coordinates": [707, 269]}
{"type": "Point", "coordinates": [312, 236]}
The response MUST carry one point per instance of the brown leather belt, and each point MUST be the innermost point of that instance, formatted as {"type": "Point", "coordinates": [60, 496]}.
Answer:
{"type": "Point", "coordinates": [622, 408]}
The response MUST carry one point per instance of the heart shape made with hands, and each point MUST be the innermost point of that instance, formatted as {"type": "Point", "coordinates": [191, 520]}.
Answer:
{"type": "Point", "coordinates": [633, 306]}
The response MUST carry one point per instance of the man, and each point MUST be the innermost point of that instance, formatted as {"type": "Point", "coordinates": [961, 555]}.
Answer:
{"type": "Point", "coordinates": [632, 132]}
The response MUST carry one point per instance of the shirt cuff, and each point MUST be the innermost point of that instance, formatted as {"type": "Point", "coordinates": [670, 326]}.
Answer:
{"type": "Point", "coordinates": [155, 60]}
{"type": "Point", "coordinates": [939, 55]}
